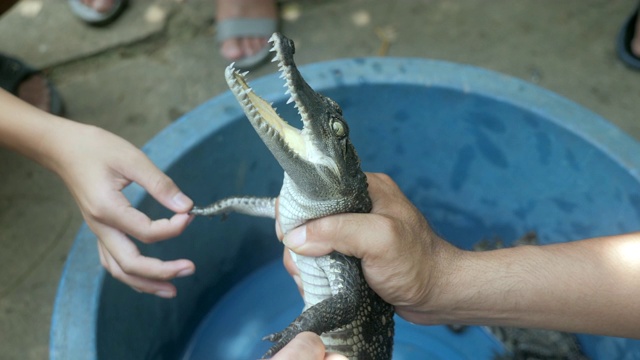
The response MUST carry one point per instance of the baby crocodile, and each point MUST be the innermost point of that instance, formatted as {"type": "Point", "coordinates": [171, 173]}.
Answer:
{"type": "Point", "coordinates": [322, 176]}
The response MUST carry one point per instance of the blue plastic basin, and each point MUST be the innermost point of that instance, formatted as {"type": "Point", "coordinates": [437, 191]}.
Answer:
{"type": "Point", "coordinates": [483, 155]}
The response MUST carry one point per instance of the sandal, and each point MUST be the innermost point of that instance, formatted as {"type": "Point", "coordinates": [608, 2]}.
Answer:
{"type": "Point", "coordinates": [94, 17]}
{"type": "Point", "coordinates": [623, 44]}
{"type": "Point", "coordinates": [13, 72]}
{"type": "Point", "coordinates": [248, 27]}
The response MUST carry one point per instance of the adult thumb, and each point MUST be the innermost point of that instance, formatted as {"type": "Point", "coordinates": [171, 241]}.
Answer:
{"type": "Point", "coordinates": [350, 234]}
{"type": "Point", "coordinates": [160, 186]}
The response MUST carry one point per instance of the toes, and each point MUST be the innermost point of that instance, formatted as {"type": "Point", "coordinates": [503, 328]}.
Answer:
{"type": "Point", "coordinates": [252, 45]}
{"type": "Point", "coordinates": [34, 90]}
{"type": "Point", "coordinates": [231, 49]}
{"type": "Point", "coordinates": [101, 6]}
{"type": "Point", "coordinates": [238, 48]}
{"type": "Point", "coordinates": [635, 46]}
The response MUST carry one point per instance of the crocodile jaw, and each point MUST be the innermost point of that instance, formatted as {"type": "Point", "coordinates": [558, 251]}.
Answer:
{"type": "Point", "coordinates": [278, 135]}
{"type": "Point", "coordinates": [263, 116]}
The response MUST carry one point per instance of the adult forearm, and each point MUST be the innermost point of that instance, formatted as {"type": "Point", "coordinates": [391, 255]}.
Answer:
{"type": "Point", "coordinates": [588, 286]}
{"type": "Point", "coordinates": [24, 128]}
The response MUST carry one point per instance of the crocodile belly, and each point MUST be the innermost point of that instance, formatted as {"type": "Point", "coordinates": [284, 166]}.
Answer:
{"type": "Point", "coordinates": [370, 334]}
{"type": "Point", "coordinates": [314, 280]}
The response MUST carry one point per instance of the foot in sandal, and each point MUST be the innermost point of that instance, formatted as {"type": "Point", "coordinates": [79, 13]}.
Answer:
{"type": "Point", "coordinates": [243, 30]}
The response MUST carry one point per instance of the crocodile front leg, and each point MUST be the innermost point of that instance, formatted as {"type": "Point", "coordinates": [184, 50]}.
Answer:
{"type": "Point", "coordinates": [351, 321]}
{"type": "Point", "coordinates": [319, 319]}
{"type": "Point", "coordinates": [331, 313]}
{"type": "Point", "coordinates": [248, 205]}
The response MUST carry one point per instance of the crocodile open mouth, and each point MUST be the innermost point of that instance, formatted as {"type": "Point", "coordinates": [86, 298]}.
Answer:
{"type": "Point", "coordinates": [262, 115]}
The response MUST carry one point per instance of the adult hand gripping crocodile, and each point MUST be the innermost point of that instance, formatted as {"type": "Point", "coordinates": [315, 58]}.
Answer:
{"type": "Point", "coordinates": [322, 176]}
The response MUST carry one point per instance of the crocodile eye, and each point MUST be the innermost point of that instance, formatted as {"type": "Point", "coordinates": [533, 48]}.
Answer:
{"type": "Point", "coordinates": [338, 128]}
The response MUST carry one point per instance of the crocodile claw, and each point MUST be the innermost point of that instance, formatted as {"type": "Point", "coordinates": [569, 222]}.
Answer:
{"type": "Point", "coordinates": [273, 337]}
{"type": "Point", "coordinates": [280, 339]}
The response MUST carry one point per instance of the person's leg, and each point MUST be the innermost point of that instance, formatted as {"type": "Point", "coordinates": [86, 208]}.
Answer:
{"type": "Point", "coordinates": [6, 5]}
{"type": "Point", "coordinates": [628, 40]}
{"type": "Point", "coordinates": [34, 88]}
{"type": "Point", "coordinates": [97, 12]}
{"type": "Point", "coordinates": [99, 5]}
{"type": "Point", "coordinates": [35, 91]}
{"type": "Point", "coordinates": [635, 42]}
{"type": "Point", "coordinates": [29, 84]}
{"type": "Point", "coordinates": [237, 48]}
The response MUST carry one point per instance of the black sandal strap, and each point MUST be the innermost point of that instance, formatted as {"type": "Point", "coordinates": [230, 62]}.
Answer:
{"type": "Point", "coordinates": [13, 72]}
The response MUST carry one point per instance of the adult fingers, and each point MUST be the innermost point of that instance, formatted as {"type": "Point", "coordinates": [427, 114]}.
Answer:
{"type": "Point", "coordinates": [157, 183]}
{"type": "Point", "coordinates": [305, 346]}
{"type": "Point", "coordinates": [334, 356]}
{"type": "Point", "coordinates": [162, 289]}
{"type": "Point", "coordinates": [130, 263]}
{"type": "Point", "coordinates": [137, 224]}
{"type": "Point", "coordinates": [359, 234]}
{"type": "Point", "coordinates": [350, 234]}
